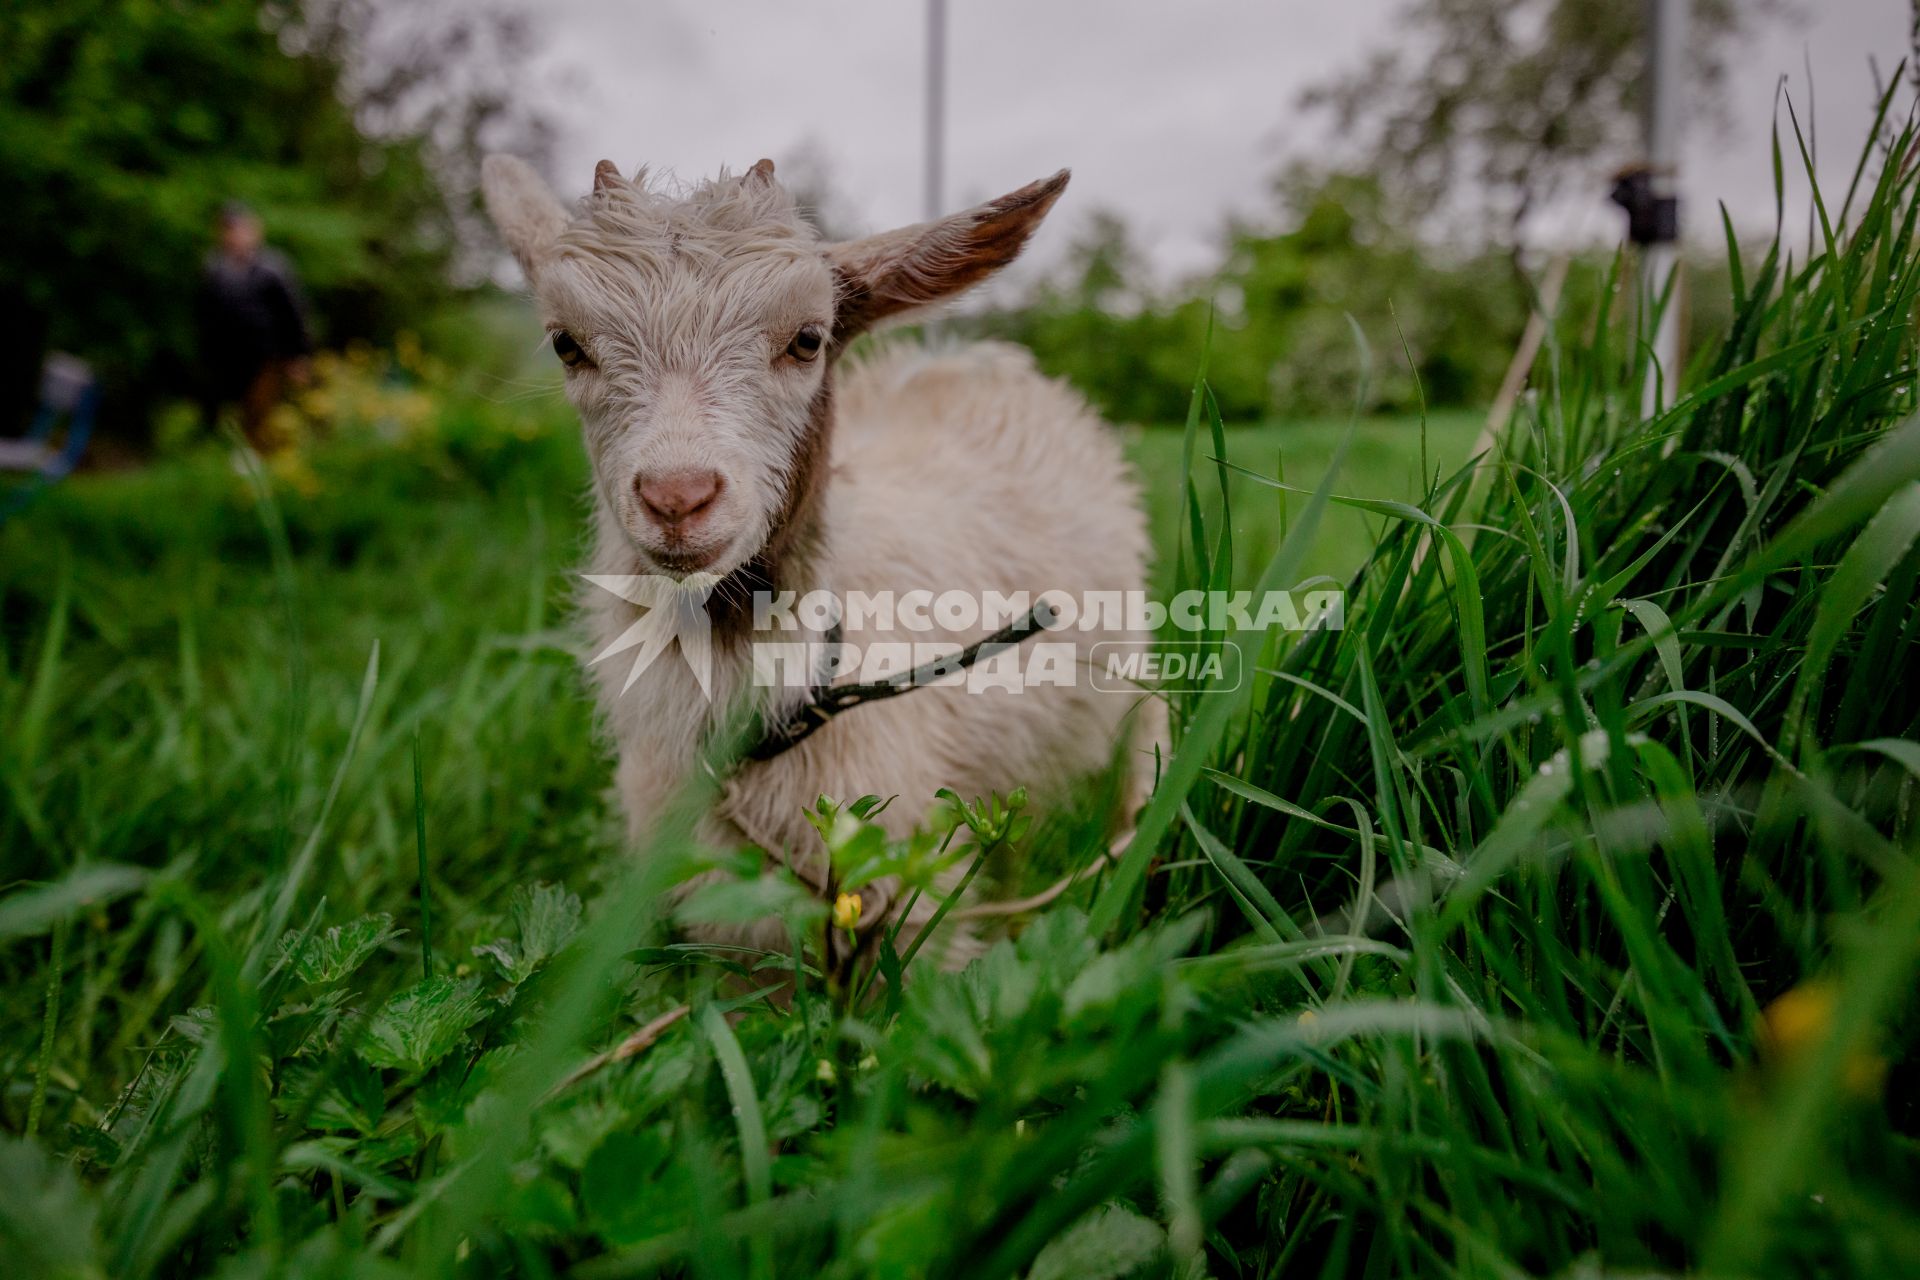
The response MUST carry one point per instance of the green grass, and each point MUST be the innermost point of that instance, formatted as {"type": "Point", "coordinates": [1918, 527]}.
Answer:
{"type": "Point", "coordinates": [1613, 755]}
{"type": "Point", "coordinates": [1382, 461]}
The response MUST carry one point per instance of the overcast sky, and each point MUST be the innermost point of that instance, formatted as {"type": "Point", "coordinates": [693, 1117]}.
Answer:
{"type": "Point", "coordinates": [1172, 114]}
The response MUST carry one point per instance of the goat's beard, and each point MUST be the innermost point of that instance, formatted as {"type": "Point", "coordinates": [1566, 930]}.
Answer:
{"type": "Point", "coordinates": [690, 564]}
{"type": "Point", "coordinates": [679, 558]}
{"type": "Point", "coordinates": [684, 560]}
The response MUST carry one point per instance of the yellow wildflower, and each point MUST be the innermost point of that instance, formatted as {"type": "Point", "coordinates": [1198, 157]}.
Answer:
{"type": "Point", "coordinates": [846, 911]}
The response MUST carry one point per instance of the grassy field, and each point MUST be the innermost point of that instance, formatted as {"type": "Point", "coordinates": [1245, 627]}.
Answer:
{"type": "Point", "coordinates": [1382, 461]}
{"type": "Point", "coordinates": [1559, 917]}
{"type": "Point", "coordinates": [196, 639]}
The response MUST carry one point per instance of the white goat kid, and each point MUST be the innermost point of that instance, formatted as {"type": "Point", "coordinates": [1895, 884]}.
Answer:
{"type": "Point", "coordinates": [700, 333]}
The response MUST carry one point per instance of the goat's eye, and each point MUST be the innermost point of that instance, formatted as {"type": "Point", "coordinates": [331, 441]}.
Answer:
{"type": "Point", "coordinates": [568, 350]}
{"type": "Point", "coordinates": [806, 344]}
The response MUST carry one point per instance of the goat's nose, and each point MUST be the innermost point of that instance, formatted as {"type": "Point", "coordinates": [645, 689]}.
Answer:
{"type": "Point", "coordinates": [678, 497]}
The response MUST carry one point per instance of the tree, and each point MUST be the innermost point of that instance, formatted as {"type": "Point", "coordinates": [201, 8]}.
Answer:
{"type": "Point", "coordinates": [450, 74]}
{"type": "Point", "coordinates": [1497, 104]}
{"type": "Point", "coordinates": [1273, 317]}
{"type": "Point", "coordinates": [124, 124]}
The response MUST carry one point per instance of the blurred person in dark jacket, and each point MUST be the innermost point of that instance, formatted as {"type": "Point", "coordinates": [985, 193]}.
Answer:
{"type": "Point", "coordinates": [254, 336]}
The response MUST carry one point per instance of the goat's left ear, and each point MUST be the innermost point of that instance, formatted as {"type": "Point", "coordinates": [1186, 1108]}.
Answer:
{"type": "Point", "coordinates": [524, 208]}
{"type": "Point", "coordinates": [900, 270]}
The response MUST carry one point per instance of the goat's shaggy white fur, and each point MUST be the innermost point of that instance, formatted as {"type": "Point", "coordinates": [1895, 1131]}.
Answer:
{"type": "Point", "coordinates": [911, 471]}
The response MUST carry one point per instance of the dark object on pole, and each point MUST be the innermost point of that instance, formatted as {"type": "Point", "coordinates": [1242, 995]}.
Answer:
{"type": "Point", "coordinates": [1652, 218]}
{"type": "Point", "coordinates": [1649, 192]}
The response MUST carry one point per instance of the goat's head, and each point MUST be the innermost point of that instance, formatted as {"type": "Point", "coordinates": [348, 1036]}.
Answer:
{"type": "Point", "coordinates": [698, 331]}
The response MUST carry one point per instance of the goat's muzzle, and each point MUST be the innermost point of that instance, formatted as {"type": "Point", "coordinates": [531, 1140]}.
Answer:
{"type": "Point", "coordinates": [678, 501]}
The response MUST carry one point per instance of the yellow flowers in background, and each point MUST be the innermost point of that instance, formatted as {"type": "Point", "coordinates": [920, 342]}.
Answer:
{"type": "Point", "coordinates": [357, 402]}
{"type": "Point", "coordinates": [292, 469]}
{"type": "Point", "coordinates": [387, 393]}
{"type": "Point", "coordinates": [1793, 1026]}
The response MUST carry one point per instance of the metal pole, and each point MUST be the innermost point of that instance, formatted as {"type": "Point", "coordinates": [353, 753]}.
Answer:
{"type": "Point", "coordinates": [936, 149]}
{"type": "Point", "coordinates": [934, 196]}
{"type": "Point", "coordinates": [1667, 23]}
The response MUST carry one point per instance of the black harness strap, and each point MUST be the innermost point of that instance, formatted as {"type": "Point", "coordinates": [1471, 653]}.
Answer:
{"type": "Point", "coordinates": [828, 701]}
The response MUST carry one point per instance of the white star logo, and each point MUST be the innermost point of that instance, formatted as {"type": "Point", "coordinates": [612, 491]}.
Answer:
{"type": "Point", "coordinates": [675, 610]}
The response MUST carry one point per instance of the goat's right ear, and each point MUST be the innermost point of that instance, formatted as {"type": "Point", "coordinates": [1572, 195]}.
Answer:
{"type": "Point", "coordinates": [914, 266]}
{"type": "Point", "coordinates": [528, 215]}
